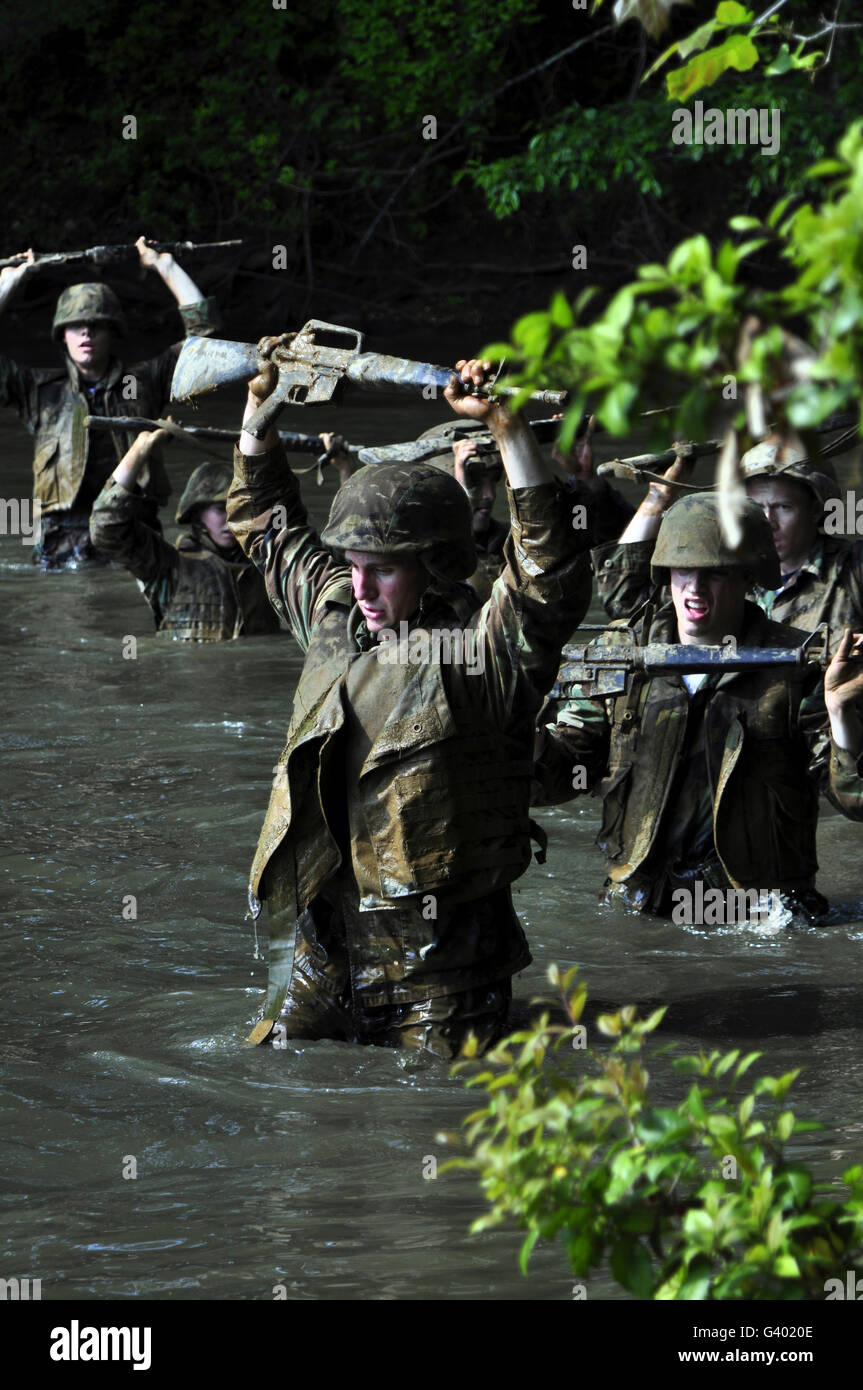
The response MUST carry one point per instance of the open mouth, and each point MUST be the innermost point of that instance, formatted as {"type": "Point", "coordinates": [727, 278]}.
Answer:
{"type": "Point", "coordinates": [696, 609]}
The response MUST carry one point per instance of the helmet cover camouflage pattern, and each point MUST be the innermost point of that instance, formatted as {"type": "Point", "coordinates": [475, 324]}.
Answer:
{"type": "Point", "coordinates": [207, 486]}
{"type": "Point", "coordinates": [690, 538]}
{"type": "Point", "coordinates": [402, 508]}
{"type": "Point", "coordinates": [88, 303]}
{"type": "Point", "coordinates": [783, 461]}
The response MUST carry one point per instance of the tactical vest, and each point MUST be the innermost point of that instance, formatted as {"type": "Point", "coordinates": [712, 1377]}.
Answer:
{"type": "Point", "coordinates": [62, 442]}
{"type": "Point", "coordinates": [215, 600]}
{"type": "Point", "coordinates": [444, 796]}
{"type": "Point", "coordinates": [765, 803]}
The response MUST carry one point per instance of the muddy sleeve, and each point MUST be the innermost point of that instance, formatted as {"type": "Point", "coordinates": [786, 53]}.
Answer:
{"type": "Point", "coordinates": [623, 581]}
{"type": "Point", "coordinates": [837, 772]}
{"type": "Point", "coordinates": [846, 782]}
{"type": "Point", "coordinates": [268, 517]}
{"type": "Point", "coordinates": [571, 756]}
{"type": "Point", "coordinates": [536, 603]}
{"type": "Point", "coordinates": [116, 529]}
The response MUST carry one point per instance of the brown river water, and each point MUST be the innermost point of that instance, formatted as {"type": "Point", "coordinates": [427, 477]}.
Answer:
{"type": "Point", "coordinates": [123, 1039]}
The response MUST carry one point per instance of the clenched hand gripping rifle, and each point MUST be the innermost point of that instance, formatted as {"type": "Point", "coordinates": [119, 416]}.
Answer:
{"type": "Point", "coordinates": [313, 367]}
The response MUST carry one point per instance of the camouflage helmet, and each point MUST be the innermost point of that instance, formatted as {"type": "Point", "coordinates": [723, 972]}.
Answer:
{"type": "Point", "coordinates": [777, 460]}
{"type": "Point", "coordinates": [403, 508]}
{"type": "Point", "coordinates": [89, 303]}
{"type": "Point", "coordinates": [451, 432]}
{"type": "Point", "coordinates": [690, 537]}
{"type": "Point", "coordinates": [207, 486]}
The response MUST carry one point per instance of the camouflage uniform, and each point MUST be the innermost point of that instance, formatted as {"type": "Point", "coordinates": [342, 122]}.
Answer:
{"type": "Point", "coordinates": [490, 557]}
{"type": "Point", "coordinates": [71, 464]}
{"type": "Point", "coordinates": [720, 784]}
{"type": "Point", "coordinates": [399, 816]}
{"type": "Point", "coordinates": [198, 591]}
{"type": "Point", "coordinates": [827, 588]}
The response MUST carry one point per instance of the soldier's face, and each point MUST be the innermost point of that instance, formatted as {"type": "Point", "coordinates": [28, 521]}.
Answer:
{"type": "Point", "coordinates": [479, 481]}
{"type": "Point", "coordinates": [89, 346]}
{"type": "Point", "coordinates": [387, 588]}
{"type": "Point", "coordinates": [708, 604]}
{"type": "Point", "coordinates": [793, 514]}
{"type": "Point", "coordinates": [482, 500]}
{"type": "Point", "coordinates": [215, 521]}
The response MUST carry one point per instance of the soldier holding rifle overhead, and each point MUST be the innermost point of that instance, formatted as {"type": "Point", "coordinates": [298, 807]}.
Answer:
{"type": "Point", "coordinates": [71, 465]}
{"type": "Point", "coordinates": [203, 589]}
{"type": "Point", "coordinates": [399, 813]}
{"type": "Point", "coordinates": [821, 575]}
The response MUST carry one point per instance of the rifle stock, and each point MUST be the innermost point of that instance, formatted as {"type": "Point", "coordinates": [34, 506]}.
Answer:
{"type": "Point", "coordinates": [313, 367]}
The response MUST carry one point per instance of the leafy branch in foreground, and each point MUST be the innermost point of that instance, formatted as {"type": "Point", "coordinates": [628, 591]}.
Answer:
{"type": "Point", "coordinates": [693, 328]}
{"type": "Point", "coordinates": [693, 1201]}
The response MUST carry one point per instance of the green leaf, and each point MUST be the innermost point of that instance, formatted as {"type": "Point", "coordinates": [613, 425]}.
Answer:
{"type": "Point", "coordinates": [727, 1061]}
{"type": "Point", "coordinates": [785, 1125]}
{"type": "Point", "coordinates": [631, 1267]}
{"type": "Point", "coordinates": [737, 52]}
{"type": "Point", "coordinates": [526, 1247]}
{"type": "Point", "coordinates": [746, 1064]}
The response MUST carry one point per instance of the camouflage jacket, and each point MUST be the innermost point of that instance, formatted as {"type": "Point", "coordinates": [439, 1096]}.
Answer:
{"type": "Point", "coordinates": [828, 588]}
{"type": "Point", "coordinates": [53, 403]}
{"type": "Point", "coordinates": [425, 761]}
{"type": "Point", "coordinates": [490, 558]}
{"type": "Point", "coordinates": [197, 591]}
{"type": "Point", "coordinates": [768, 751]}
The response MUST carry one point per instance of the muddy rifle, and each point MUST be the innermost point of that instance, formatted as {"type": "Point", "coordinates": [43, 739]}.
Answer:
{"type": "Point", "coordinates": [411, 451]}
{"type": "Point", "coordinates": [313, 366]}
{"type": "Point", "coordinates": [603, 668]}
{"type": "Point", "coordinates": [116, 255]}
{"type": "Point", "coordinates": [294, 443]}
{"type": "Point", "coordinates": [646, 467]}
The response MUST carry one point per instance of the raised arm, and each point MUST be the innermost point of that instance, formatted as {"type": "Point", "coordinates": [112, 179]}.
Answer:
{"type": "Point", "coordinates": [543, 591]}
{"type": "Point", "coordinates": [14, 275]}
{"type": "Point", "coordinates": [117, 530]}
{"type": "Point", "coordinates": [267, 515]}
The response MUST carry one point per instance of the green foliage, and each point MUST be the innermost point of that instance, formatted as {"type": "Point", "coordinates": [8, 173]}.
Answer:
{"type": "Point", "coordinates": [740, 50]}
{"type": "Point", "coordinates": [674, 332]}
{"type": "Point", "coordinates": [571, 1146]}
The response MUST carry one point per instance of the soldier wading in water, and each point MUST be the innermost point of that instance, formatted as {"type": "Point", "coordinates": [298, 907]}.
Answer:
{"type": "Point", "coordinates": [399, 812]}
{"type": "Point", "coordinates": [203, 589]}
{"type": "Point", "coordinates": [711, 781]}
{"type": "Point", "coordinates": [71, 464]}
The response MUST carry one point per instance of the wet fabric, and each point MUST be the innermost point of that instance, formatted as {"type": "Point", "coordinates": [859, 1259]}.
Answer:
{"type": "Point", "coordinates": [197, 591]}
{"type": "Point", "coordinates": [432, 826]}
{"type": "Point", "coordinates": [767, 752]}
{"type": "Point", "coordinates": [322, 1001]}
{"type": "Point", "coordinates": [71, 463]}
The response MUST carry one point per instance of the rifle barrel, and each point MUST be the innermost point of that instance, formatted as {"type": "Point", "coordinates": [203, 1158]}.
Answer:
{"type": "Point", "coordinates": [376, 371]}
{"type": "Point", "coordinates": [109, 255]}
{"type": "Point", "coordinates": [134, 424]}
